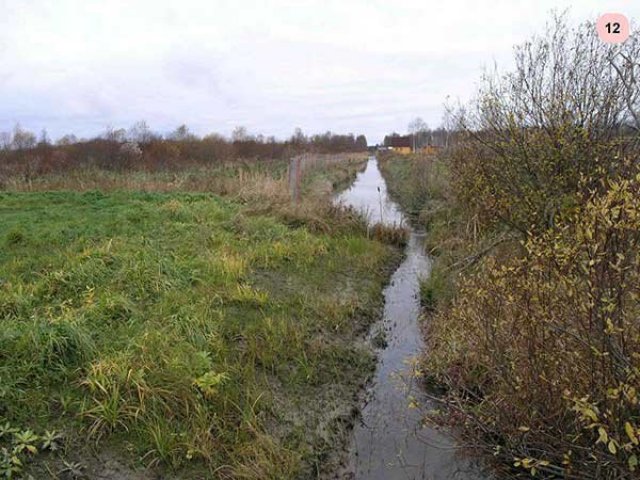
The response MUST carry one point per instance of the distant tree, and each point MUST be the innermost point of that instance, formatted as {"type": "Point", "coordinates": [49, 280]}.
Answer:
{"type": "Point", "coordinates": [44, 140]}
{"type": "Point", "coordinates": [361, 142]}
{"type": "Point", "coordinates": [23, 139]}
{"type": "Point", "coordinates": [5, 140]}
{"type": "Point", "coordinates": [418, 125]}
{"type": "Point", "coordinates": [118, 135]}
{"type": "Point", "coordinates": [214, 137]}
{"type": "Point", "coordinates": [388, 138]}
{"type": "Point", "coordinates": [182, 134]}
{"type": "Point", "coordinates": [449, 124]}
{"type": "Point", "coordinates": [130, 151]}
{"type": "Point", "coordinates": [420, 133]}
{"type": "Point", "coordinates": [68, 139]}
{"type": "Point", "coordinates": [298, 137]}
{"type": "Point", "coordinates": [240, 134]}
{"type": "Point", "coordinates": [140, 133]}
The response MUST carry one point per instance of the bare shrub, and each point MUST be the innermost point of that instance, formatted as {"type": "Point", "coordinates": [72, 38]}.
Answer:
{"type": "Point", "coordinates": [531, 135]}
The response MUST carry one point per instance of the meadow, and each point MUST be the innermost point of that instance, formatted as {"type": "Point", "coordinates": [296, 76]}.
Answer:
{"type": "Point", "coordinates": [149, 322]}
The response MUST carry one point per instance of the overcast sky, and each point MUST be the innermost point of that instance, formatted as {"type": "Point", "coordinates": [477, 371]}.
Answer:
{"type": "Point", "coordinates": [347, 66]}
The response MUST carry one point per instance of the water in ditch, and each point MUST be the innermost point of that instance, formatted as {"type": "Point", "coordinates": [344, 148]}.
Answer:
{"type": "Point", "coordinates": [390, 439]}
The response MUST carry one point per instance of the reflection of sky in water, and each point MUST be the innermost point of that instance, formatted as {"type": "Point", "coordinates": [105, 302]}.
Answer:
{"type": "Point", "coordinates": [390, 441]}
{"type": "Point", "coordinates": [369, 193]}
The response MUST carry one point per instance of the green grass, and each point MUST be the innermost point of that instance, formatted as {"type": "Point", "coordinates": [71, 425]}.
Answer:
{"type": "Point", "coordinates": [182, 329]}
{"type": "Point", "coordinates": [408, 182]}
{"type": "Point", "coordinates": [421, 184]}
{"type": "Point", "coordinates": [335, 178]}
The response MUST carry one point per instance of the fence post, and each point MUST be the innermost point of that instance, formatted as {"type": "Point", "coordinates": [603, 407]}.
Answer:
{"type": "Point", "coordinates": [294, 178]}
{"type": "Point", "coordinates": [299, 167]}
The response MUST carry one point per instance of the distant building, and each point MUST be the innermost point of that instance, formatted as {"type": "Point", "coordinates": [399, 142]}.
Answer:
{"type": "Point", "coordinates": [400, 144]}
{"type": "Point", "coordinates": [430, 149]}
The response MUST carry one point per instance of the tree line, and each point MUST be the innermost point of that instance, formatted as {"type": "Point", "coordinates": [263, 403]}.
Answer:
{"type": "Point", "coordinates": [138, 147]}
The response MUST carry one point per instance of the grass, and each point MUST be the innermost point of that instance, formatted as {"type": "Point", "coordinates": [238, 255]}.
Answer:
{"type": "Point", "coordinates": [191, 332]}
{"type": "Point", "coordinates": [408, 180]}
{"type": "Point", "coordinates": [222, 178]}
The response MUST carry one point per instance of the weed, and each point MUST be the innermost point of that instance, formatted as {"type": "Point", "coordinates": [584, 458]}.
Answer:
{"type": "Point", "coordinates": [10, 463]}
{"type": "Point", "coordinates": [51, 440]}
{"type": "Point", "coordinates": [14, 237]}
{"type": "Point", "coordinates": [73, 469]}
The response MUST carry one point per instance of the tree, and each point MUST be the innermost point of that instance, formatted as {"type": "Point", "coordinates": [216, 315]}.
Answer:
{"type": "Point", "coordinates": [448, 125]}
{"type": "Point", "coordinates": [140, 133]}
{"type": "Point", "coordinates": [44, 140]}
{"type": "Point", "coordinates": [23, 139]}
{"type": "Point", "coordinates": [550, 129]}
{"type": "Point", "coordinates": [418, 125]}
{"type": "Point", "coordinates": [388, 138]}
{"type": "Point", "coordinates": [214, 137]}
{"type": "Point", "coordinates": [5, 140]}
{"type": "Point", "coordinates": [240, 134]}
{"type": "Point", "coordinates": [117, 135]}
{"type": "Point", "coordinates": [182, 134]}
{"type": "Point", "coordinates": [419, 131]}
{"type": "Point", "coordinates": [68, 139]}
{"type": "Point", "coordinates": [298, 138]}
{"type": "Point", "coordinates": [361, 142]}
{"type": "Point", "coordinates": [549, 158]}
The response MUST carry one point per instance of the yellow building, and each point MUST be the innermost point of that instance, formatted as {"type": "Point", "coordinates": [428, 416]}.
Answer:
{"type": "Point", "coordinates": [401, 144]}
{"type": "Point", "coordinates": [429, 149]}
{"type": "Point", "coordinates": [402, 150]}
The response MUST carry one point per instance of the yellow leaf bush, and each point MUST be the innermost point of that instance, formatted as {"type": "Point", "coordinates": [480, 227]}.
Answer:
{"type": "Point", "coordinates": [550, 339]}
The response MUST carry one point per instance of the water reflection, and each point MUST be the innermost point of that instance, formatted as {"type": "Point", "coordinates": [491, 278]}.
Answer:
{"type": "Point", "coordinates": [391, 440]}
{"type": "Point", "coordinates": [369, 195]}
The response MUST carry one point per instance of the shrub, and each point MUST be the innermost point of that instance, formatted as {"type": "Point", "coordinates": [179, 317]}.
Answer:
{"type": "Point", "coordinates": [532, 136]}
{"type": "Point", "coordinates": [547, 345]}
{"type": "Point", "coordinates": [539, 349]}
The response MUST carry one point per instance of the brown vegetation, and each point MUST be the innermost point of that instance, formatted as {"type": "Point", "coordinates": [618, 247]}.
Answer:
{"type": "Point", "coordinates": [538, 346]}
{"type": "Point", "coordinates": [25, 160]}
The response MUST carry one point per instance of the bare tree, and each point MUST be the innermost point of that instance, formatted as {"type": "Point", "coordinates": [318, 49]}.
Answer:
{"type": "Point", "coordinates": [419, 131]}
{"type": "Point", "coordinates": [118, 135]}
{"type": "Point", "coordinates": [182, 134]}
{"type": "Point", "coordinates": [23, 139]}
{"type": "Point", "coordinates": [298, 137]}
{"type": "Point", "coordinates": [5, 140]}
{"type": "Point", "coordinates": [240, 134]}
{"type": "Point", "coordinates": [140, 133]}
{"type": "Point", "coordinates": [44, 140]}
{"type": "Point", "coordinates": [68, 139]}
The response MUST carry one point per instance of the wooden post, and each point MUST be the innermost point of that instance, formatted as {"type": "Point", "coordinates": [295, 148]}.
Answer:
{"type": "Point", "coordinates": [294, 178]}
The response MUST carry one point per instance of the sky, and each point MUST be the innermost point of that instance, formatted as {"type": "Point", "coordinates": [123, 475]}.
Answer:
{"type": "Point", "coordinates": [80, 66]}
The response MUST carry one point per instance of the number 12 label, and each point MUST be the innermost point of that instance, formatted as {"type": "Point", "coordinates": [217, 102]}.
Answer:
{"type": "Point", "coordinates": [613, 28]}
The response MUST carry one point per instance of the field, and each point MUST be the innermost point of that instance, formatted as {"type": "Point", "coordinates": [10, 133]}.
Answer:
{"type": "Point", "coordinates": [182, 331]}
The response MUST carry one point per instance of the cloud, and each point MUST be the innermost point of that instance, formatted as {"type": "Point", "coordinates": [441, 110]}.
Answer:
{"type": "Point", "coordinates": [360, 66]}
